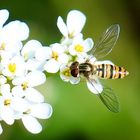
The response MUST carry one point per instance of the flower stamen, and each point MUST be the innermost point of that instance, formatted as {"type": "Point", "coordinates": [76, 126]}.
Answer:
{"type": "Point", "coordinates": [67, 72]}
{"type": "Point", "coordinates": [79, 48]}
{"type": "Point", "coordinates": [55, 55]}
{"type": "Point", "coordinates": [24, 85]}
{"type": "Point", "coordinates": [7, 102]}
{"type": "Point", "coordinates": [12, 67]}
{"type": "Point", "coordinates": [2, 46]}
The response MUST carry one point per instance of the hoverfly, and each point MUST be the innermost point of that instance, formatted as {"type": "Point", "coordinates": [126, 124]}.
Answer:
{"type": "Point", "coordinates": [102, 69]}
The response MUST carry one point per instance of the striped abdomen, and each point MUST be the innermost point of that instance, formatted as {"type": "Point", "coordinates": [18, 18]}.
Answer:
{"type": "Point", "coordinates": [108, 71]}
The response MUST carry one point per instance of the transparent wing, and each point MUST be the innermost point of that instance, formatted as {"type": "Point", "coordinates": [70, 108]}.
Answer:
{"type": "Point", "coordinates": [106, 94]}
{"type": "Point", "coordinates": [109, 99]}
{"type": "Point", "coordinates": [107, 41]}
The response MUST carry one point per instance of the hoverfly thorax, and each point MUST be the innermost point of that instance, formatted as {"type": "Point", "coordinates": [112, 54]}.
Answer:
{"type": "Point", "coordinates": [85, 69]}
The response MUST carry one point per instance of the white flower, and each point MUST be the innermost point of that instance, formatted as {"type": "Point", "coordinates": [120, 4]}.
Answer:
{"type": "Point", "coordinates": [9, 104]}
{"type": "Point", "coordinates": [57, 56]}
{"type": "Point", "coordinates": [40, 111]}
{"type": "Point", "coordinates": [12, 33]}
{"type": "Point", "coordinates": [74, 24]}
{"type": "Point", "coordinates": [66, 76]}
{"type": "Point", "coordinates": [13, 67]}
{"type": "Point", "coordinates": [24, 86]}
{"type": "Point", "coordinates": [80, 47]}
{"type": "Point", "coordinates": [33, 56]}
{"type": "Point", "coordinates": [20, 71]}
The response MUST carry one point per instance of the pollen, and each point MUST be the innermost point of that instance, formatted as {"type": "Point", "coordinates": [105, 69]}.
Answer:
{"type": "Point", "coordinates": [12, 67]}
{"type": "Point", "coordinates": [79, 48]}
{"type": "Point", "coordinates": [24, 85]}
{"type": "Point", "coordinates": [7, 102]}
{"type": "Point", "coordinates": [67, 72]}
{"type": "Point", "coordinates": [2, 46]}
{"type": "Point", "coordinates": [55, 55]}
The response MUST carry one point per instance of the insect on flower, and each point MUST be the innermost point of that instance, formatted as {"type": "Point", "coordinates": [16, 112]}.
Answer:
{"type": "Point", "coordinates": [92, 70]}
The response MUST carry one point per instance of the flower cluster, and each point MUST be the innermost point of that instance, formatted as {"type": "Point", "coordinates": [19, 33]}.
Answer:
{"type": "Point", "coordinates": [72, 47]}
{"type": "Point", "coordinates": [23, 67]}
{"type": "Point", "coordinates": [21, 70]}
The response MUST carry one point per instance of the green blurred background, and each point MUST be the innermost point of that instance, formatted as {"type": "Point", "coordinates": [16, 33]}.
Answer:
{"type": "Point", "coordinates": [78, 114]}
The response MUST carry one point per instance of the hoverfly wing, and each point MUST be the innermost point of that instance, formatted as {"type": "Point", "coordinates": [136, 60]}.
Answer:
{"type": "Point", "coordinates": [109, 99]}
{"type": "Point", "coordinates": [107, 41]}
{"type": "Point", "coordinates": [106, 94]}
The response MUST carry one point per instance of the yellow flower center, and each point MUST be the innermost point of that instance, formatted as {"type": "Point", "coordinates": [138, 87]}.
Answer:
{"type": "Point", "coordinates": [67, 72]}
{"type": "Point", "coordinates": [55, 55]}
{"type": "Point", "coordinates": [79, 48]}
{"type": "Point", "coordinates": [12, 67]}
{"type": "Point", "coordinates": [2, 47]}
{"type": "Point", "coordinates": [24, 85]}
{"type": "Point", "coordinates": [7, 102]}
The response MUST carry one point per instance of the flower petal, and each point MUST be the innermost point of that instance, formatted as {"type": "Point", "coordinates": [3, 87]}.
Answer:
{"type": "Point", "coordinates": [7, 114]}
{"type": "Point", "coordinates": [1, 130]}
{"type": "Point", "coordinates": [72, 51]}
{"type": "Point", "coordinates": [19, 104]}
{"type": "Point", "coordinates": [31, 124]}
{"type": "Point", "coordinates": [33, 95]}
{"type": "Point", "coordinates": [33, 64]}
{"type": "Point", "coordinates": [92, 59]}
{"type": "Point", "coordinates": [18, 91]}
{"type": "Point", "coordinates": [16, 31]}
{"type": "Point", "coordinates": [88, 44]}
{"type": "Point", "coordinates": [13, 47]}
{"type": "Point", "coordinates": [43, 53]}
{"type": "Point", "coordinates": [74, 80]}
{"type": "Point", "coordinates": [52, 66]}
{"type": "Point", "coordinates": [35, 78]}
{"type": "Point", "coordinates": [3, 80]}
{"type": "Point", "coordinates": [4, 14]}
{"type": "Point", "coordinates": [94, 86]}
{"type": "Point", "coordinates": [75, 22]}
{"type": "Point", "coordinates": [64, 78]}
{"type": "Point", "coordinates": [63, 59]}
{"type": "Point", "coordinates": [41, 111]}
{"type": "Point", "coordinates": [18, 80]}
{"type": "Point", "coordinates": [5, 89]}
{"type": "Point", "coordinates": [62, 27]}
{"type": "Point", "coordinates": [56, 47]}
{"type": "Point", "coordinates": [30, 48]}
